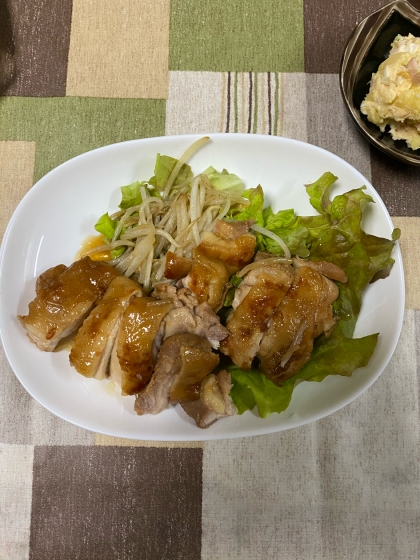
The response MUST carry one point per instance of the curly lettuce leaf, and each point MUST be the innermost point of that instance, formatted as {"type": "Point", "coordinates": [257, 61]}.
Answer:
{"type": "Point", "coordinates": [319, 192]}
{"type": "Point", "coordinates": [254, 211]}
{"type": "Point", "coordinates": [163, 168]}
{"type": "Point", "coordinates": [252, 389]}
{"type": "Point", "coordinates": [106, 226]}
{"type": "Point", "coordinates": [337, 355]}
{"type": "Point", "coordinates": [154, 192]}
{"type": "Point", "coordinates": [340, 227]}
{"type": "Point", "coordinates": [224, 180]}
{"type": "Point", "coordinates": [289, 227]}
{"type": "Point", "coordinates": [131, 195]}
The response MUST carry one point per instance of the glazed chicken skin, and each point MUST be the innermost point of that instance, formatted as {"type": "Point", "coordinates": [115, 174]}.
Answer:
{"type": "Point", "coordinates": [207, 280]}
{"type": "Point", "coordinates": [134, 352]}
{"type": "Point", "coordinates": [304, 314]}
{"type": "Point", "coordinates": [64, 298]}
{"type": "Point", "coordinates": [260, 293]}
{"type": "Point", "coordinates": [278, 311]}
{"type": "Point", "coordinates": [220, 253]}
{"type": "Point", "coordinates": [176, 267]}
{"type": "Point", "coordinates": [233, 229]}
{"type": "Point", "coordinates": [234, 253]}
{"type": "Point", "coordinates": [91, 350]}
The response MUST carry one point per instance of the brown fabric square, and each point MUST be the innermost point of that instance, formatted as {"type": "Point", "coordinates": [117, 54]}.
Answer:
{"type": "Point", "coordinates": [398, 184]}
{"type": "Point", "coordinates": [116, 503]}
{"type": "Point", "coordinates": [328, 26]}
{"type": "Point", "coordinates": [34, 47]}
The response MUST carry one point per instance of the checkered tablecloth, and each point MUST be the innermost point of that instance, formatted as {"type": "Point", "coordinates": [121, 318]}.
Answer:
{"type": "Point", "coordinates": [78, 74]}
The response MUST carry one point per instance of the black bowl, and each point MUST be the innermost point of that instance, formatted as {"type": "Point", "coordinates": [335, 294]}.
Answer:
{"type": "Point", "coordinates": [368, 46]}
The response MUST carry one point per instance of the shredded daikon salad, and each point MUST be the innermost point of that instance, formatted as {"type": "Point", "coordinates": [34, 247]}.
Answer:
{"type": "Point", "coordinates": [169, 212]}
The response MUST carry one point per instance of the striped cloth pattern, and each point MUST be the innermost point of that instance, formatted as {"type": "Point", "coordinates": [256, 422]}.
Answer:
{"type": "Point", "coordinates": [76, 75]}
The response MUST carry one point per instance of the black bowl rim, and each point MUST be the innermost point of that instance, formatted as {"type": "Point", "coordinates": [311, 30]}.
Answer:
{"type": "Point", "coordinates": [347, 77]}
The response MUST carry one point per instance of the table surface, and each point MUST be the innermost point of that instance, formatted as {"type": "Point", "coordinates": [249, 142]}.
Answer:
{"type": "Point", "coordinates": [75, 75]}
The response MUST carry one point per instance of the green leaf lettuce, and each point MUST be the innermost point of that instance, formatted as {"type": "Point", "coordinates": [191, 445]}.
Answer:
{"type": "Point", "coordinates": [224, 180]}
{"type": "Point", "coordinates": [163, 168]}
{"type": "Point", "coordinates": [106, 226]}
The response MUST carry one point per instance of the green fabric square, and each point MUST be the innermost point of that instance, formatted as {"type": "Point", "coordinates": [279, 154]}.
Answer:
{"type": "Point", "coordinates": [235, 35]}
{"type": "Point", "coordinates": [64, 127]}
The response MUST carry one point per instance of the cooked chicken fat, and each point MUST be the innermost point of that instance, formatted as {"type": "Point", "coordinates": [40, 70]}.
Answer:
{"type": "Point", "coordinates": [214, 402]}
{"type": "Point", "coordinates": [64, 298]}
{"type": "Point", "coordinates": [325, 268]}
{"type": "Point", "coordinates": [93, 343]}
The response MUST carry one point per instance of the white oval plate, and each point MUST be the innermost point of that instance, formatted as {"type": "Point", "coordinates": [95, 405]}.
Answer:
{"type": "Point", "coordinates": [62, 208]}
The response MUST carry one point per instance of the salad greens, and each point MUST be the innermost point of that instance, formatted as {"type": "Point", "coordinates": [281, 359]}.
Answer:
{"type": "Point", "coordinates": [163, 168]}
{"type": "Point", "coordinates": [131, 195]}
{"type": "Point", "coordinates": [335, 235]}
{"type": "Point", "coordinates": [224, 180]}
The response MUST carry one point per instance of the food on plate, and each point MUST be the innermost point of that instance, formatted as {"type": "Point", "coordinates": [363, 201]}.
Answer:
{"type": "Point", "coordinates": [64, 297]}
{"type": "Point", "coordinates": [260, 293]}
{"type": "Point", "coordinates": [234, 252]}
{"type": "Point", "coordinates": [168, 213]}
{"type": "Point", "coordinates": [394, 97]}
{"type": "Point", "coordinates": [188, 315]}
{"type": "Point", "coordinates": [303, 314]}
{"type": "Point", "coordinates": [135, 348]}
{"type": "Point", "coordinates": [212, 300]}
{"type": "Point", "coordinates": [207, 279]}
{"type": "Point", "coordinates": [91, 349]}
{"type": "Point", "coordinates": [183, 362]}
{"type": "Point", "coordinates": [214, 402]}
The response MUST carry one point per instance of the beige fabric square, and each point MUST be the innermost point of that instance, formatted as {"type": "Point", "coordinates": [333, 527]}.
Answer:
{"type": "Point", "coordinates": [15, 500]}
{"type": "Point", "coordinates": [119, 48]}
{"type": "Point", "coordinates": [101, 439]}
{"type": "Point", "coordinates": [343, 488]}
{"type": "Point", "coordinates": [250, 102]}
{"type": "Point", "coordinates": [194, 103]}
{"type": "Point", "coordinates": [410, 249]}
{"type": "Point", "coordinates": [17, 160]}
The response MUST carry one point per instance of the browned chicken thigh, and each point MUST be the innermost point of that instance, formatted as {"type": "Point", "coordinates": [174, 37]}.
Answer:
{"type": "Point", "coordinates": [189, 316]}
{"type": "Point", "coordinates": [135, 350]}
{"type": "Point", "coordinates": [93, 343]}
{"type": "Point", "coordinates": [257, 297]}
{"type": "Point", "coordinates": [234, 253]}
{"type": "Point", "coordinates": [232, 229]}
{"type": "Point", "coordinates": [305, 313]}
{"type": "Point", "coordinates": [64, 297]}
{"type": "Point", "coordinates": [184, 360]}
{"type": "Point", "coordinates": [207, 280]}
